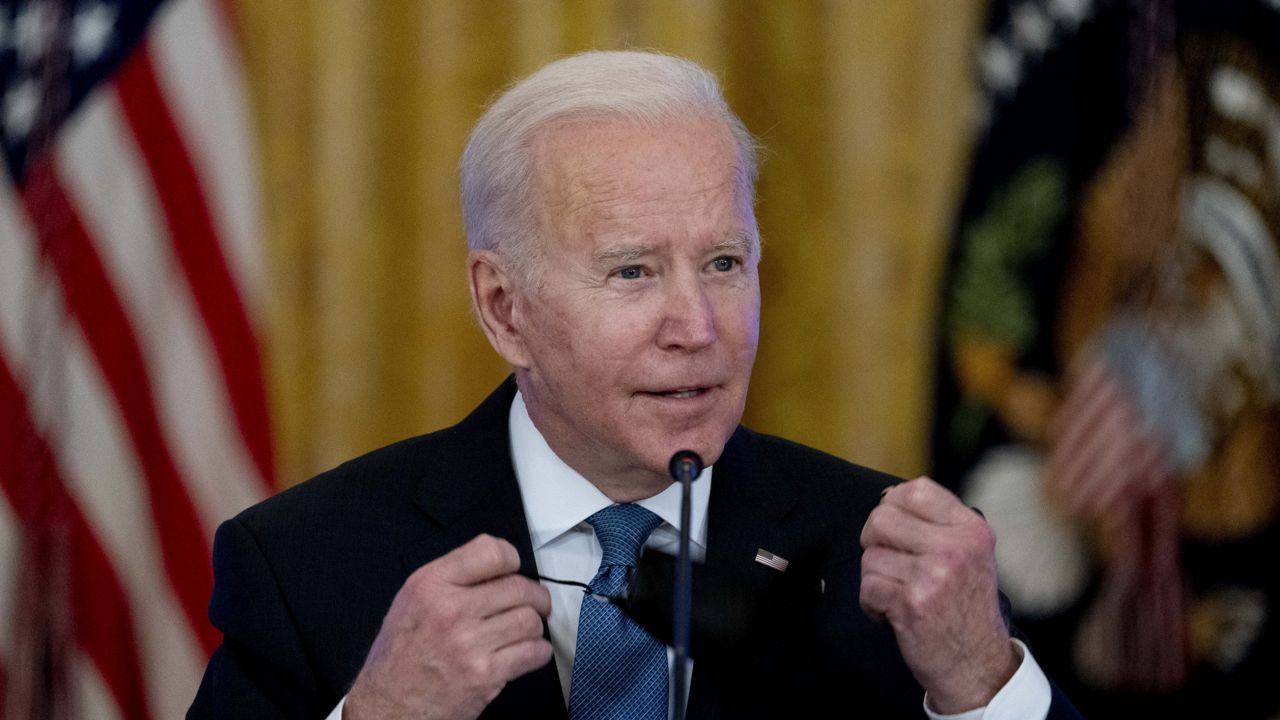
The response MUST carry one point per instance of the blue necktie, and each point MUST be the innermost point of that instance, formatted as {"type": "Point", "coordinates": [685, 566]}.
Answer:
{"type": "Point", "coordinates": [619, 670]}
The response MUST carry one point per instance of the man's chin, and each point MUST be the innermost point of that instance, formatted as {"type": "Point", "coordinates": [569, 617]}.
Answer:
{"type": "Point", "coordinates": [709, 447]}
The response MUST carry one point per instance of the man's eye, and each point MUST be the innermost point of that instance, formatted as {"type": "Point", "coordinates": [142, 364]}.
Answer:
{"type": "Point", "coordinates": [631, 272]}
{"type": "Point", "coordinates": [724, 264]}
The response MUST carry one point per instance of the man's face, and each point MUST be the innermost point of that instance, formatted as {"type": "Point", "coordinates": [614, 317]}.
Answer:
{"type": "Point", "coordinates": [641, 322]}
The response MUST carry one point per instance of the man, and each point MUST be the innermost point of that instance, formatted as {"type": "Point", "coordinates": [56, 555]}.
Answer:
{"type": "Point", "coordinates": [608, 201]}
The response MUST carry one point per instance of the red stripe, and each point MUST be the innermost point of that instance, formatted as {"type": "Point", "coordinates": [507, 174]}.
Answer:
{"type": "Point", "coordinates": [199, 252]}
{"type": "Point", "coordinates": [228, 17]}
{"type": "Point", "coordinates": [100, 612]}
{"type": "Point", "coordinates": [94, 303]}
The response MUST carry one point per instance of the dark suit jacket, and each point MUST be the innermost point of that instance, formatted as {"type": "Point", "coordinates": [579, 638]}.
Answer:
{"type": "Point", "coordinates": [303, 579]}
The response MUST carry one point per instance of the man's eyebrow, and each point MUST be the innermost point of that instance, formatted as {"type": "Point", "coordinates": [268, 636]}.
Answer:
{"type": "Point", "coordinates": [622, 254]}
{"type": "Point", "coordinates": [741, 243]}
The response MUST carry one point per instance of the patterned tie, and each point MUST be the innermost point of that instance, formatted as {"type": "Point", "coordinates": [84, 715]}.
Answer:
{"type": "Point", "coordinates": [619, 670]}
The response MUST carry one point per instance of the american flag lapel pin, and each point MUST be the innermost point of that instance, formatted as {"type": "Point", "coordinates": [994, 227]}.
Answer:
{"type": "Point", "coordinates": [768, 559]}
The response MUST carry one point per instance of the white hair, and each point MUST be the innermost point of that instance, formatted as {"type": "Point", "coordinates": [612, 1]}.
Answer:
{"type": "Point", "coordinates": [497, 176]}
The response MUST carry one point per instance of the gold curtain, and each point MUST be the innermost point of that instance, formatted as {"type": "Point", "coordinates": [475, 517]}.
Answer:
{"type": "Point", "coordinates": [362, 109]}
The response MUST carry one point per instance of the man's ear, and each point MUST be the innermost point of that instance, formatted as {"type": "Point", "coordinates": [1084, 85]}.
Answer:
{"type": "Point", "coordinates": [493, 297]}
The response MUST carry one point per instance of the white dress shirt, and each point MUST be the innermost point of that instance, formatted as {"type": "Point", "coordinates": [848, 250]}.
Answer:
{"type": "Point", "coordinates": [558, 501]}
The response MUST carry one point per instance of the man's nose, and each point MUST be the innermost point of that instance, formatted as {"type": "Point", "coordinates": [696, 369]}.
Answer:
{"type": "Point", "coordinates": [688, 319]}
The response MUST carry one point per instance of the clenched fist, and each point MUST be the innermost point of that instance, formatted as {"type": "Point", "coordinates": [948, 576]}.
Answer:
{"type": "Point", "coordinates": [928, 568]}
{"type": "Point", "coordinates": [459, 629]}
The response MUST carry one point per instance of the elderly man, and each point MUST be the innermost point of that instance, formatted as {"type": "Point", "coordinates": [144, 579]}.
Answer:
{"type": "Point", "coordinates": [608, 202]}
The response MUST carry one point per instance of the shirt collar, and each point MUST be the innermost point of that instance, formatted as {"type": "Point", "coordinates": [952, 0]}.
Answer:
{"type": "Point", "coordinates": [557, 498]}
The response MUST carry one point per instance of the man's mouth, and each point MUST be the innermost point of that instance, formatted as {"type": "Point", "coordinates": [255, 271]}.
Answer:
{"type": "Point", "coordinates": [684, 393]}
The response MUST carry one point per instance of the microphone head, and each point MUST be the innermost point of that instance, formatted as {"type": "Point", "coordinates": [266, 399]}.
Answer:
{"type": "Point", "coordinates": [685, 461]}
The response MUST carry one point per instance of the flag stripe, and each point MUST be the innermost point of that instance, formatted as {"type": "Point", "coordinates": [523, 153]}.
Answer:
{"type": "Point", "coordinates": [10, 540]}
{"type": "Point", "coordinates": [100, 610]}
{"type": "Point", "coordinates": [70, 395]}
{"type": "Point", "coordinates": [93, 302]}
{"type": "Point", "coordinates": [105, 178]}
{"type": "Point", "coordinates": [199, 252]}
{"type": "Point", "coordinates": [192, 40]}
{"type": "Point", "coordinates": [90, 698]}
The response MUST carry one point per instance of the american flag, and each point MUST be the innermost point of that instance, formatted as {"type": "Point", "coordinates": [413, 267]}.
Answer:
{"type": "Point", "coordinates": [1110, 463]}
{"type": "Point", "coordinates": [768, 559]}
{"type": "Point", "coordinates": [133, 414]}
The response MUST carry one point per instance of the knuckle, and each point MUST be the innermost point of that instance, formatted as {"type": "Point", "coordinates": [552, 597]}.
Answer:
{"type": "Point", "coordinates": [532, 655]}
{"type": "Point", "coordinates": [443, 614]}
{"type": "Point", "coordinates": [864, 539]}
{"type": "Point", "coordinates": [938, 573]}
{"type": "Point", "coordinates": [490, 547]}
{"type": "Point", "coordinates": [530, 622]}
{"type": "Point", "coordinates": [986, 536]}
{"type": "Point", "coordinates": [918, 601]}
{"type": "Point", "coordinates": [479, 668]}
{"type": "Point", "coordinates": [420, 581]}
{"type": "Point", "coordinates": [914, 492]}
{"type": "Point", "coordinates": [460, 639]}
{"type": "Point", "coordinates": [542, 595]}
{"type": "Point", "coordinates": [874, 557]}
{"type": "Point", "coordinates": [542, 651]}
{"type": "Point", "coordinates": [873, 527]}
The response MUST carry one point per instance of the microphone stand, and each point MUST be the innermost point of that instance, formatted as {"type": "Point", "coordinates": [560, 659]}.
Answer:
{"type": "Point", "coordinates": [685, 467]}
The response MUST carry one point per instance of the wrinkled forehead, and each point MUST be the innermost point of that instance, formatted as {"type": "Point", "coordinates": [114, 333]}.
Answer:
{"type": "Point", "coordinates": [599, 168]}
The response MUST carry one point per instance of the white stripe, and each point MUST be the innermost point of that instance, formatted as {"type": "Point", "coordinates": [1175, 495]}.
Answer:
{"type": "Point", "coordinates": [108, 183]}
{"type": "Point", "coordinates": [198, 71]}
{"type": "Point", "coordinates": [70, 405]}
{"type": "Point", "coordinates": [90, 697]}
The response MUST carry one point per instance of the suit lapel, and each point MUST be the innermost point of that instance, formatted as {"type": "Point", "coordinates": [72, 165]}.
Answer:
{"type": "Point", "coordinates": [745, 515]}
{"type": "Point", "coordinates": [473, 490]}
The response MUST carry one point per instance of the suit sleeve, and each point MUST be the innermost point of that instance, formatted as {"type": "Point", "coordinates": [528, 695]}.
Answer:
{"type": "Point", "coordinates": [262, 668]}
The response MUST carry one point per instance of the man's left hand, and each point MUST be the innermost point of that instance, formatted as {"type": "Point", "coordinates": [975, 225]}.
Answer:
{"type": "Point", "coordinates": [928, 567]}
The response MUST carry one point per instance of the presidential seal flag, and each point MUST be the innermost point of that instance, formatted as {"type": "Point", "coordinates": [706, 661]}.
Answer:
{"type": "Point", "coordinates": [1110, 382]}
{"type": "Point", "coordinates": [133, 412]}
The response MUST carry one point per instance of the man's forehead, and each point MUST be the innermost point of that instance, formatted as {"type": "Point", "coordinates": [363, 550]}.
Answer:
{"type": "Point", "coordinates": [578, 153]}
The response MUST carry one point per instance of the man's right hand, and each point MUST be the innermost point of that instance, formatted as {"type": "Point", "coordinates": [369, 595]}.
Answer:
{"type": "Point", "coordinates": [459, 629]}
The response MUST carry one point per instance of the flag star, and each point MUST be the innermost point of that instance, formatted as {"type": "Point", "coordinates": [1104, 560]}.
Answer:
{"type": "Point", "coordinates": [20, 105]}
{"type": "Point", "coordinates": [32, 32]}
{"type": "Point", "coordinates": [1001, 66]}
{"type": "Point", "coordinates": [1031, 28]}
{"type": "Point", "coordinates": [1069, 13]}
{"type": "Point", "coordinates": [91, 32]}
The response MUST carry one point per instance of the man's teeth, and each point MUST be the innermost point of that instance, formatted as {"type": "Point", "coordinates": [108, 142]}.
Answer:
{"type": "Point", "coordinates": [682, 394]}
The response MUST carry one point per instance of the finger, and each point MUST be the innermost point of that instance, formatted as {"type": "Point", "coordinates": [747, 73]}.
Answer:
{"type": "Point", "coordinates": [879, 595]}
{"type": "Point", "coordinates": [927, 500]}
{"type": "Point", "coordinates": [483, 558]}
{"type": "Point", "coordinates": [894, 527]}
{"type": "Point", "coordinates": [510, 591]}
{"type": "Point", "coordinates": [515, 625]}
{"type": "Point", "coordinates": [519, 658]}
{"type": "Point", "coordinates": [893, 564]}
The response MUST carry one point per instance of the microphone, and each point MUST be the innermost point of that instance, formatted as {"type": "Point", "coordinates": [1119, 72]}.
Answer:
{"type": "Point", "coordinates": [685, 467]}
{"type": "Point", "coordinates": [685, 462]}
